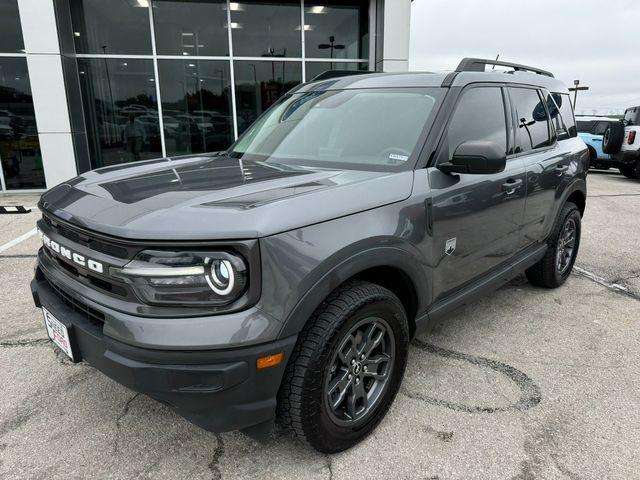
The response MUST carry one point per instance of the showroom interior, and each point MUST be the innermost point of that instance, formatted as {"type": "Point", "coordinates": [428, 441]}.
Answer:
{"type": "Point", "coordinates": [86, 84]}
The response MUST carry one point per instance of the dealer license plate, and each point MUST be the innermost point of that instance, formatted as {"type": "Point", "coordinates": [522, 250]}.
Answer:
{"type": "Point", "coordinates": [58, 333]}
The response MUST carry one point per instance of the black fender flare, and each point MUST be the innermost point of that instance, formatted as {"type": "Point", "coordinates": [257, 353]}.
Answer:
{"type": "Point", "coordinates": [578, 185]}
{"type": "Point", "coordinates": [380, 256]}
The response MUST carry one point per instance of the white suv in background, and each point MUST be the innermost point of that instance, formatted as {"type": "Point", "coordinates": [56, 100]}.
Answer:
{"type": "Point", "coordinates": [622, 141]}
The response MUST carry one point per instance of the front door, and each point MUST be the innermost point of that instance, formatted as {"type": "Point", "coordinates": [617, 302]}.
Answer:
{"type": "Point", "coordinates": [476, 218]}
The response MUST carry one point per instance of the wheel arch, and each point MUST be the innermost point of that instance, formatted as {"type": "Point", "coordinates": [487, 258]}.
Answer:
{"type": "Point", "coordinates": [390, 267]}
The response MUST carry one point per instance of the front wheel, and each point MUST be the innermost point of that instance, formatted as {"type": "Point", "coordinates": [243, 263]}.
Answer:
{"type": "Point", "coordinates": [346, 367]}
{"type": "Point", "coordinates": [562, 249]}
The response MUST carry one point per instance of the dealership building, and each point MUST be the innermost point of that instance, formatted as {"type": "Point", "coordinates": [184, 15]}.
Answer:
{"type": "Point", "coordinates": [91, 83]}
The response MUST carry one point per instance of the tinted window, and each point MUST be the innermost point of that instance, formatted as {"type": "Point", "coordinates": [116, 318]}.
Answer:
{"type": "Point", "coordinates": [632, 116]}
{"type": "Point", "coordinates": [531, 120]}
{"type": "Point", "coordinates": [600, 128]}
{"type": "Point", "coordinates": [19, 144]}
{"type": "Point", "coordinates": [313, 69]}
{"type": "Point", "coordinates": [260, 84]}
{"type": "Point", "coordinates": [337, 29]}
{"type": "Point", "coordinates": [565, 122]}
{"type": "Point", "coordinates": [120, 26]}
{"type": "Point", "coordinates": [585, 126]}
{"type": "Point", "coordinates": [120, 109]}
{"type": "Point", "coordinates": [194, 27]}
{"type": "Point", "coordinates": [10, 30]}
{"type": "Point", "coordinates": [266, 29]}
{"type": "Point", "coordinates": [362, 128]}
{"type": "Point", "coordinates": [196, 105]}
{"type": "Point", "coordinates": [479, 115]}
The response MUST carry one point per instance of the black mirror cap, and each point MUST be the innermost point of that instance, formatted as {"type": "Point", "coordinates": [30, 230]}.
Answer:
{"type": "Point", "coordinates": [476, 157]}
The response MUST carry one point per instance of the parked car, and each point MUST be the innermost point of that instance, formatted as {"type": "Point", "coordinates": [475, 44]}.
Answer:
{"type": "Point", "coordinates": [591, 130]}
{"type": "Point", "coordinates": [286, 275]}
{"type": "Point", "coordinates": [622, 141]}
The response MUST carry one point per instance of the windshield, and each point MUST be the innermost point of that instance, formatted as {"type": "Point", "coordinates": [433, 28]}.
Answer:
{"type": "Point", "coordinates": [375, 129]}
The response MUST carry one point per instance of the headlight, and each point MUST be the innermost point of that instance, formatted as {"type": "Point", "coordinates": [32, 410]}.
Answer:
{"type": "Point", "coordinates": [185, 278]}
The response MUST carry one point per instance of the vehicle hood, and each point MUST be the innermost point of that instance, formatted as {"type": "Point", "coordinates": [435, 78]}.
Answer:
{"type": "Point", "coordinates": [213, 197]}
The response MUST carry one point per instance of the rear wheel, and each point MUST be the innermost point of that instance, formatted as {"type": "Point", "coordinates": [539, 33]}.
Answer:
{"type": "Point", "coordinates": [346, 367]}
{"type": "Point", "coordinates": [557, 263]}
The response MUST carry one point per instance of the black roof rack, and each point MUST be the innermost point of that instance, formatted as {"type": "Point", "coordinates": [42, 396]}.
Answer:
{"type": "Point", "coordinates": [337, 73]}
{"type": "Point", "coordinates": [479, 64]}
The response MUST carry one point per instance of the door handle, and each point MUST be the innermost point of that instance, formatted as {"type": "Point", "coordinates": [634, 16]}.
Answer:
{"type": "Point", "coordinates": [511, 185]}
{"type": "Point", "coordinates": [596, 140]}
{"type": "Point", "coordinates": [560, 169]}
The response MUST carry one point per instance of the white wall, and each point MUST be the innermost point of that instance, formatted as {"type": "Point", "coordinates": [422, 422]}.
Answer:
{"type": "Point", "coordinates": [397, 23]}
{"type": "Point", "coordinates": [47, 87]}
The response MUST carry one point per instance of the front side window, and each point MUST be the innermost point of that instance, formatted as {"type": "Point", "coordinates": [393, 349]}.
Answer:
{"type": "Point", "coordinates": [479, 115]}
{"type": "Point", "coordinates": [585, 126]}
{"type": "Point", "coordinates": [532, 129]}
{"type": "Point", "coordinates": [368, 129]}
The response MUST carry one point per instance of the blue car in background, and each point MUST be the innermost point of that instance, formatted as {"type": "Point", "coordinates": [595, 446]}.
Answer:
{"type": "Point", "coordinates": [591, 130]}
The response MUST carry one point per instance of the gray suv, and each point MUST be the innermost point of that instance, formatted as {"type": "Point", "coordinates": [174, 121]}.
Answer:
{"type": "Point", "coordinates": [285, 277]}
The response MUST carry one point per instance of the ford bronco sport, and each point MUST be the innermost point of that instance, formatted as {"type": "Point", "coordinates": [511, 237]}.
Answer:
{"type": "Point", "coordinates": [286, 276]}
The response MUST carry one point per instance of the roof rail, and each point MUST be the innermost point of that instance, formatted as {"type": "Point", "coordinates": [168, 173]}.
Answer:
{"type": "Point", "coordinates": [337, 73]}
{"type": "Point", "coordinates": [479, 64]}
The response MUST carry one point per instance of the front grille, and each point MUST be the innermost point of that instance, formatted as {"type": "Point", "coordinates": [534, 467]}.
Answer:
{"type": "Point", "coordinates": [93, 316]}
{"type": "Point", "coordinates": [91, 243]}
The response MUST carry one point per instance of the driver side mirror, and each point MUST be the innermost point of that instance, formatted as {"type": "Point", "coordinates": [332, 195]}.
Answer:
{"type": "Point", "coordinates": [476, 157]}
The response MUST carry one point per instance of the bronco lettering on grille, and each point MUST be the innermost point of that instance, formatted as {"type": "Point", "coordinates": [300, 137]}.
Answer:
{"type": "Point", "coordinates": [70, 255]}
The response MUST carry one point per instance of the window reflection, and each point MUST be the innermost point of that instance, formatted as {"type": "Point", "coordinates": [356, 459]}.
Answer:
{"type": "Point", "coordinates": [10, 29]}
{"type": "Point", "coordinates": [116, 26]}
{"type": "Point", "coordinates": [259, 85]}
{"type": "Point", "coordinates": [266, 29]}
{"type": "Point", "coordinates": [196, 105]}
{"type": "Point", "coordinates": [313, 69]}
{"type": "Point", "coordinates": [19, 144]}
{"type": "Point", "coordinates": [193, 27]}
{"type": "Point", "coordinates": [120, 108]}
{"type": "Point", "coordinates": [337, 29]}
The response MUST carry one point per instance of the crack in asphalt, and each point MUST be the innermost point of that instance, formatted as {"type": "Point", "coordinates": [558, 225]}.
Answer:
{"type": "Point", "coordinates": [329, 463]}
{"type": "Point", "coordinates": [612, 286]}
{"type": "Point", "coordinates": [218, 452]}
{"type": "Point", "coordinates": [18, 256]}
{"type": "Point", "coordinates": [615, 195]}
{"type": "Point", "coordinates": [530, 396]}
{"type": "Point", "coordinates": [38, 342]}
{"type": "Point", "coordinates": [125, 411]}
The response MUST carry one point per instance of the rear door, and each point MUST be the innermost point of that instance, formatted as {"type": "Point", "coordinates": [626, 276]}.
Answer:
{"type": "Point", "coordinates": [476, 218]}
{"type": "Point", "coordinates": [547, 161]}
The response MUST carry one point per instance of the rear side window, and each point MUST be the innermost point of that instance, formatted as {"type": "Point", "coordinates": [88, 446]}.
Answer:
{"type": "Point", "coordinates": [532, 129]}
{"type": "Point", "coordinates": [632, 116]}
{"type": "Point", "coordinates": [561, 112]}
{"type": "Point", "coordinates": [479, 115]}
{"type": "Point", "coordinates": [600, 128]}
{"type": "Point", "coordinates": [585, 126]}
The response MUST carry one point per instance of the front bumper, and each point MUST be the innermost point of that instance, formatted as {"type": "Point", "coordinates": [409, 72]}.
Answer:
{"type": "Point", "coordinates": [218, 390]}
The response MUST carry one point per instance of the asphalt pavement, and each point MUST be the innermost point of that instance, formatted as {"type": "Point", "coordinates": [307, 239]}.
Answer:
{"type": "Point", "coordinates": [525, 384]}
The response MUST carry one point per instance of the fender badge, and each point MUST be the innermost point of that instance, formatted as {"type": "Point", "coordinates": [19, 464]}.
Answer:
{"type": "Point", "coordinates": [450, 246]}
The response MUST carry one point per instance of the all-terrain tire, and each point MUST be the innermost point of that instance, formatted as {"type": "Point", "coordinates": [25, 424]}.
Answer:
{"type": "Point", "coordinates": [302, 400]}
{"type": "Point", "coordinates": [546, 273]}
{"type": "Point", "coordinates": [613, 137]}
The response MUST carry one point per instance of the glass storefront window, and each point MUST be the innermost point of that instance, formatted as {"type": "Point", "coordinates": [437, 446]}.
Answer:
{"type": "Point", "coordinates": [116, 27]}
{"type": "Point", "coordinates": [19, 144]}
{"type": "Point", "coordinates": [10, 30]}
{"type": "Point", "coordinates": [337, 29]}
{"type": "Point", "coordinates": [260, 84]}
{"type": "Point", "coordinates": [196, 105]}
{"type": "Point", "coordinates": [193, 27]}
{"type": "Point", "coordinates": [266, 29]}
{"type": "Point", "coordinates": [313, 69]}
{"type": "Point", "coordinates": [120, 108]}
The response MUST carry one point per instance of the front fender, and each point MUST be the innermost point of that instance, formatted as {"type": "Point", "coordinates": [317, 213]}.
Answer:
{"type": "Point", "coordinates": [336, 274]}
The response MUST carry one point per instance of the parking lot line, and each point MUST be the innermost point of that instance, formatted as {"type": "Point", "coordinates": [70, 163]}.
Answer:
{"type": "Point", "coordinates": [17, 240]}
